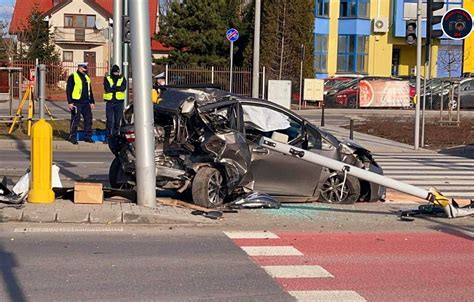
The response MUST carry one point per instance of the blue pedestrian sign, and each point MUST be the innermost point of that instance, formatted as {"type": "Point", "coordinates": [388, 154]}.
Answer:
{"type": "Point", "coordinates": [232, 35]}
{"type": "Point", "coordinates": [457, 24]}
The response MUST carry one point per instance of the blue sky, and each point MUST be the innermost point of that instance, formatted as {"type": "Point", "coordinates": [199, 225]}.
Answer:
{"type": "Point", "coordinates": [6, 9]}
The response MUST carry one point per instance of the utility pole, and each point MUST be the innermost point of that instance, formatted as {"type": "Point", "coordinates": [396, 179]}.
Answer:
{"type": "Point", "coordinates": [418, 69]}
{"type": "Point", "coordinates": [256, 51]}
{"type": "Point", "coordinates": [117, 58]}
{"type": "Point", "coordinates": [125, 67]}
{"type": "Point", "coordinates": [143, 107]}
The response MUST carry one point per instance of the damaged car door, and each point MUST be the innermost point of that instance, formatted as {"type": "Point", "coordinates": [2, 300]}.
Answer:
{"type": "Point", "coordinates": [274, 172]}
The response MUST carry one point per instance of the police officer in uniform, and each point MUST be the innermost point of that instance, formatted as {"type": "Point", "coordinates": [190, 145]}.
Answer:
{"type": "Point", "coordinates": [80, 102]}
{"type": "Point", "coordinates": [115, 85]}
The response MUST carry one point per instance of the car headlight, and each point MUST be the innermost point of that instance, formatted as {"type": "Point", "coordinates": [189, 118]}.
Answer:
{"type": "Point", "coordinates": [344, 149]}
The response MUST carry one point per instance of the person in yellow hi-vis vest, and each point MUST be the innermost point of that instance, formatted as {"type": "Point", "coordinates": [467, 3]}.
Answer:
{"type": "Point", "coordinates": [115, 85]}
{"type": "Point", "coordinates": [80, 101]}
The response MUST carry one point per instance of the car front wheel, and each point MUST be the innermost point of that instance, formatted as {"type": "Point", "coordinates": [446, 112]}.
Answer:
{"type": "Point", "coordinates": [335, 190]}
{"type": "Point", "coordinates": [207, 188]}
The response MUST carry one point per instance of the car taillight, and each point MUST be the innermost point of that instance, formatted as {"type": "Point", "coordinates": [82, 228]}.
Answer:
{"type": "Point", "coordinates": [130, 136]}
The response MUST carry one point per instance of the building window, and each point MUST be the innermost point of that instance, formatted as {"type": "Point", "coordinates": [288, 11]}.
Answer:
{"type": "Point", "coordinates": [320, 53]}
{"type": "Point", "coordinates": [68, 56]}
{"type": "Point", "coordinates": [353, 53]}
{"type": "Point", "coordinates": [322, 8]}
{"type": "Point", "coordinates": [355, 8]}
{"type": "Point", "coordinates": [79, 21]}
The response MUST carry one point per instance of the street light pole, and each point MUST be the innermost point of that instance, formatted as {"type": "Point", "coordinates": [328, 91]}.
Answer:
{"type": "Point", "coordinates": [117, 58]}
{"type": "Point", "coordinates": [301, 76]}
{"type": "Point", "coordinates": [256, 50]}
{"type": "Point", "coordinates": [418, 71]}
{"type": "Point", "coordinates": [143, 107]}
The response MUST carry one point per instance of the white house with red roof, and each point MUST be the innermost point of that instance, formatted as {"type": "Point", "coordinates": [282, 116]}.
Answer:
{"type": "Point", "coordinates": [80, 27]}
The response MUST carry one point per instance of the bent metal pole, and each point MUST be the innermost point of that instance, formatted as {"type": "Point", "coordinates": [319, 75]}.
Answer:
{"type": "Point", "coordinates": [340, 166]}
{"type": "Point", "coordinates": [143, 107]}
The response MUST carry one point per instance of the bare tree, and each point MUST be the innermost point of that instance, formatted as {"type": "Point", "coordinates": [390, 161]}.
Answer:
{"type": "Point", "coordinates": [452, 58]}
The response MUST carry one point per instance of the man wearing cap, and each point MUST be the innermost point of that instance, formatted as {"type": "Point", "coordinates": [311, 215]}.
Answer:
{"type": "Point", "coordinates": [114, 94]}
{"type": "Point", "coordinates": [157, 86]}
{"type": "Point", "coordinates": [80, 102]}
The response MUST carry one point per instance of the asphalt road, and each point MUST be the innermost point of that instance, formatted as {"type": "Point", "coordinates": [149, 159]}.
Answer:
{"type": "Point", "coordinates": [77, 165]}
{"type": "Point", "coordinates": [78, 263]}
{"type": "Point", "coordinates": [130, 266]}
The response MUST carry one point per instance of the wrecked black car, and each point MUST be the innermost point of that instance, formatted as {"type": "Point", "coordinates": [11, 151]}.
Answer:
{"type": "Point", "coordinates": [206, 143]}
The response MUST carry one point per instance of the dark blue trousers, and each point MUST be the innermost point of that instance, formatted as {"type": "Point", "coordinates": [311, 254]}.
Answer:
{"type": "Point", "coordinates": [83, 109]}
{"type": "Point", "coordinates": [113, 113]}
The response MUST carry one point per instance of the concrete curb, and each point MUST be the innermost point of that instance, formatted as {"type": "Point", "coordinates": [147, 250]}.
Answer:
{"type": "Point", "coordinates": [10, 144]}
{"type": "Point", "coordinates": [108, 213]}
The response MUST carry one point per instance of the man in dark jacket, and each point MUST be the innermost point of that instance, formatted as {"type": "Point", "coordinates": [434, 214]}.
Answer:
{"type": "Point", "coordinates": [114, 94]}
{"type": "Point", "coordinates": [80, 102]}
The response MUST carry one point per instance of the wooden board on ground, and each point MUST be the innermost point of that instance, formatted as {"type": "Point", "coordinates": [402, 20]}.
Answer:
{"type": "Point", "coordinates": [182, 204]}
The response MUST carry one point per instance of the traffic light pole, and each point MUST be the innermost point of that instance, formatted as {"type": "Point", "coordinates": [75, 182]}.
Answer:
{"type": "Point", "coordinates": [427, 65]}
{"type": "Point", "coordinates": [143, 107]}
{"type": "Point", "coordinates": [418, 71]}
{"type": "Point", "coordinates": [117, 57]}
{"type": "Point", "coordinates": [256, 51]}
{"type": "Point", "coordinates": [125, 67]}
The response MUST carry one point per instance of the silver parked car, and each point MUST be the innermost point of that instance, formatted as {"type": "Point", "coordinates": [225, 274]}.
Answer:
{"type": "Point", "coordinates": [207, 143]}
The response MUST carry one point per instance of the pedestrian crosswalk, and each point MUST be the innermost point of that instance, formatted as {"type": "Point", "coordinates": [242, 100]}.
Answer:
{"type": "Point", "coordinates": [451, 175]}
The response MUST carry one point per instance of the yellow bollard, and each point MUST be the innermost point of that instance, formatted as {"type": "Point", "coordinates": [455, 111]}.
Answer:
{"type": "Point", "coordinates": [41, 163]}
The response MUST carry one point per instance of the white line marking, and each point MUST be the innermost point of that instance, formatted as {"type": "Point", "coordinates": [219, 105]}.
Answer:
{"type": "Point", "coordinates": [251, 235]}
{"type": "Point", "coordinates": [271, 251]}
{"type": "Point", "coordinates": [79, 162]}
{"type": "Point", "coordinates": [297, 271]}
{"type": "Point", "coordinates": [68, 230]}
{"type": "Point", "coordinates": [326, 295]}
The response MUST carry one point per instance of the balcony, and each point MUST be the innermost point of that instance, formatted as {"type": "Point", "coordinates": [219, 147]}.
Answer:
{"type": "Point", "coordinates": [84, 36]}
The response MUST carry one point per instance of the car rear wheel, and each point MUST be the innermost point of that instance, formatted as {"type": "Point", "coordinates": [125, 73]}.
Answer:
{"type": "Point", "coordinates": [116, 173]}
{"type": "Point", "coordinates": [335, 190]}
{"type": "Point", "coordinates": [207, 189]}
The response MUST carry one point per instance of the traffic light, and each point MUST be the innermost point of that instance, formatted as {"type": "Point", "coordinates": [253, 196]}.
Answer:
{"type": "Point", "coordinates": [126, 34]}
{"type": "Point", "coordinates": [410, 35]}
{"type": "Point", "coordinates": [432, 20]}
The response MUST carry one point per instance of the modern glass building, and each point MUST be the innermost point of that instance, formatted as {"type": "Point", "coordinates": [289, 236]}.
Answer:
{"type": "Point", "coordinates": [368, 37]}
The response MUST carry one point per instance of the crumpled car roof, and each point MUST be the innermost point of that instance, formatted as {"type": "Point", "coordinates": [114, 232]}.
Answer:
{"type": "Point", "coordinates": [173, 98]}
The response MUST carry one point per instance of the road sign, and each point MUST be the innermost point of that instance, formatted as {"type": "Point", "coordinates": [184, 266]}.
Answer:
{"type": "Point", "coordinates": [457, 24]}
{"type": "Point", "coordinates": [232, 35]}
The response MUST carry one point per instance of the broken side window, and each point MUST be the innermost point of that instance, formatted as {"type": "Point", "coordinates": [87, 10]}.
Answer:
{"type": "Point", "coordinates": [262, 121]}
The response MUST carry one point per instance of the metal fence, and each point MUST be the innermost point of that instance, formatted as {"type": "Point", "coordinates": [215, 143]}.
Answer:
{"type": "Point", "coordinates": [186, 75]}
{"type": "Point", "coordinates": [56, 76]}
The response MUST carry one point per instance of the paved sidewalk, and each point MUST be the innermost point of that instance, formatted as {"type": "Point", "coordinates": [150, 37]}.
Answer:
{"type": "Point", "coordinates": [11, 144]}
{"type": "Point", "coordinates": [109, 212]}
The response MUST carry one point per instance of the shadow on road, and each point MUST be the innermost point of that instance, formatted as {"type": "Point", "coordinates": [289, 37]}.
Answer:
{"type": "Point", "coordinates": [462, 151]}
{"type": "Point", "coordinates": [20, 145]}
{"type": "Point", "coordinates": [11, 282]}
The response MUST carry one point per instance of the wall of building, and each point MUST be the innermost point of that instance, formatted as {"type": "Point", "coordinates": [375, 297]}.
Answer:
{"type": "Point", "coordinates": [79, 7]}
{"type": "Point", "coordinates": [468, 65]}
{"type": "Point", "coordinates": [380, 50]}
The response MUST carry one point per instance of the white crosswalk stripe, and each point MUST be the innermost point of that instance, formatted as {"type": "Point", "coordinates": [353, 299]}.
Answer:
{"type": "Point", "coordinates": [452, 175]}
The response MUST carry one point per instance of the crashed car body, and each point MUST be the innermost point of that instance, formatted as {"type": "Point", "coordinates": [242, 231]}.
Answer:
{"type": "Point", "coordinates": [206, 140]}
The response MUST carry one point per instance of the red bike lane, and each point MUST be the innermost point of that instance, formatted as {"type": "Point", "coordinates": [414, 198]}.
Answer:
{"type": "Point", "coordinates": [379, 266]}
